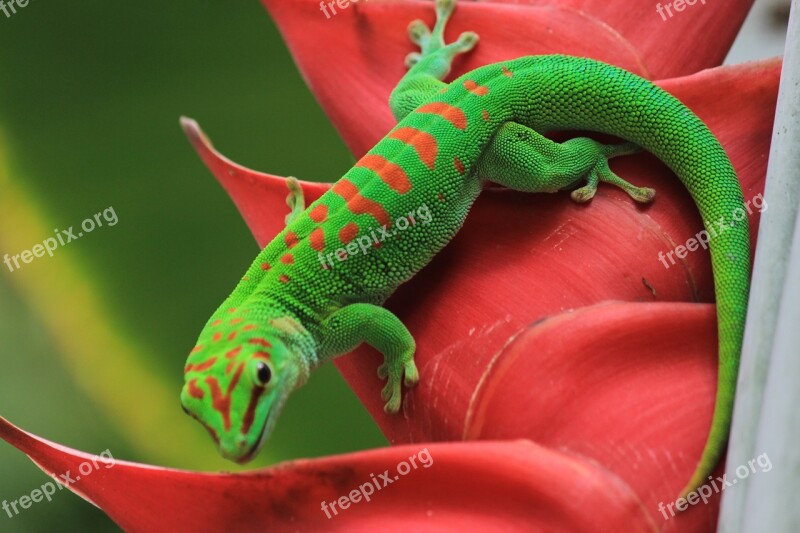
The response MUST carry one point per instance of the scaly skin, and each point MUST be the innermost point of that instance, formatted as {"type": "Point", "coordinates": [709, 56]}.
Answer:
{"type": "Point", "coordinates": [299, 305]}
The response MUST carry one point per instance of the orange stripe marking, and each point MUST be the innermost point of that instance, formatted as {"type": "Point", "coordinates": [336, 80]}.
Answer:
{"type": "Point", "coordinates": [348, 233]}
{"type": "Point", "coordinates": [319, 213]}
{"type": "Point", "coordinates": [262, 355]}
{"type": "Point", "coordinates": [507, 73]}
{"type": "Point", "coordinates": [425, 144]}
{"type": "Point", "coordinates": [317, 239]}
{"type": "Point", "coordinates": [459, 165]}
{"type": "Point", "coordinates": [453, 115]}
{"type": "Point", "coordinates": [291, 239]}
{"type": "Point", "coordinates": [199, 367]}
{"type": "Point", "coordinates": [195, 391]}
{"type": "Point", "coordinates": [233, 353]}
{"type": "Point", "coordinates": [261, 342]}
{"type": "Point", "coordinates": [476, 89]}
{"type": "Point", "coordinates": [390, 173]}
{"type": "Point", "coordinates": [359, 205]}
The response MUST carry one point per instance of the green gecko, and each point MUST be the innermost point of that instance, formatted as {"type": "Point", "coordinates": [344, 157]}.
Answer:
{"type": "Point", "coordinates": [291, 312]}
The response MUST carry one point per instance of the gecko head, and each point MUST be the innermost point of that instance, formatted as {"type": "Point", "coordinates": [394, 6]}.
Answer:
{"type": "Point", "coordinates": [239, 376]}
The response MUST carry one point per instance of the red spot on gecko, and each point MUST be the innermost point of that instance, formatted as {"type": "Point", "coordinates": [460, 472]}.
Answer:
{"type": "Point", "coordinates": [486, 115]}
{"type": "Point", "coordinates": [250, 414]}
{"type": "Point", "coordinates": [359, 205]}
{"type": "Point", "coordinates": [476, 89]}
{"type": "Point", "coordinates": [453, 115]}
{"type": "Point", "coordinates": [261, 342]}
{"type": "Point", "coordinates": [290, 239]}
{"type": "Point", "coordinates": [248, 327]}
{"type": "Point", "coordinates": [197, 348]}
{"type": "Point", "coordinates": [390, 173]}
{"type": "Point", "coordinates": [232, 310]}
{"type": "Point", "coordinates": [232, 336]}
{"type": "Point", "coordinates": [317, 239]}
{"type": "Point", "coordinates": [422, 142]}
{"type": "Point", "coordinates": [216, 322]}
{"type": "Point", "coordinates": [319, 213]}
{"type": "Point", "coordinates": [441, 197]}
{"type": "Point", "coordinates": [265, 266]}
{"type": "Point", "coordinates": [195, 391]}
{"type": "Point", "coordinates": [199, 367]}
{"type": "Point", "coordinates": [459, 165]}
{"type": "Point", "coordinates": [236, 320]}
{"type": "Point", "coordinates": [217, 336]}
{"type": "Point", "coordinates": [283, 278]}
{"type": "Point", "coordinates": [348, 233]}
{"type": "Point", "coordinates": [287, 259]}
{"type": "Point", "coordinates": [507, 73]}
{"type": "Point", "coordinates": [222, 402]}
{"type": "Point", "coordinates": [233, 353]}
{"type": "Point", "coordinates": [229, 367]}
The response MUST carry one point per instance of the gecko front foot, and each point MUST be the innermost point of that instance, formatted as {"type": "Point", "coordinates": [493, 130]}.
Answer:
{"type": "Point", "coordinates": [400, 371]}
{"type": "Point", "coordinates": [431, 42]}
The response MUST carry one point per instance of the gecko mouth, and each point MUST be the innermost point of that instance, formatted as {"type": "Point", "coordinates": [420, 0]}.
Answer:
{"type": "Point", "coordinates": [266, 429]}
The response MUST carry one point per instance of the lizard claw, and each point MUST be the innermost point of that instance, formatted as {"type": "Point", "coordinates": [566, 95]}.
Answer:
{"type": "Point", "coordinates": [392, 393]}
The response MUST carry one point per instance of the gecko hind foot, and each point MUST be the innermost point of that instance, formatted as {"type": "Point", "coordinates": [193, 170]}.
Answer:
{"type": "Point", "coordinates": [601, 172]}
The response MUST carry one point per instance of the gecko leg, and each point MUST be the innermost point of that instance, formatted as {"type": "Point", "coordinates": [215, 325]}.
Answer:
{"type": "Point", "coordinates": [295, 199]}
{"type": "Point", "coordinates": [432, 64]}
{"type": "Point", "coordinates": [347, 328]}
{"type": "Point", "coordinates": [524, 160]}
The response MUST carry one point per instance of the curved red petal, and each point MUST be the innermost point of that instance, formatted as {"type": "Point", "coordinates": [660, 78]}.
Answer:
{"type": "Point", "coordinates": [629, 385]}
{"type": "Point", "coordinates": [260, 197]}
{"type": "Point", "coordinates": [668, 41]}
{"type": "Point", "coordinates": [353, 59]}
{"type": "Point", "coordinates": [487, 486]}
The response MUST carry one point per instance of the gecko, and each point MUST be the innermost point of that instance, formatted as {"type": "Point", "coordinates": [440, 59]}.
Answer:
{"type": "Point", "coordinates": [291, 311]}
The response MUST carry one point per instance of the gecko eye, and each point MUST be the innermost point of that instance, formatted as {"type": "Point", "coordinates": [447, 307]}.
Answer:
{"type": "Point", "coordinates": [263, 373]}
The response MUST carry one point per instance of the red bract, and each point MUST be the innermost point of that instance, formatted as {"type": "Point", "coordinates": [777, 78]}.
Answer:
{"type": "Point", "coordinates": [516, 335]}
{"type": "Point", "coordinates": [353, 59]}
{"type": "Point", "coordinates": [494, 486]}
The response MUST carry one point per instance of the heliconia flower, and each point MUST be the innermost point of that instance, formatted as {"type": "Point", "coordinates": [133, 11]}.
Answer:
{"type": "Point", "coordinates": [566, 325]}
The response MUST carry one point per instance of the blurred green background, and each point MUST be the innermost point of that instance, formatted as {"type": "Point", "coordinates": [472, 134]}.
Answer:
{"type": "Point", "coordinates": [93, 340]}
